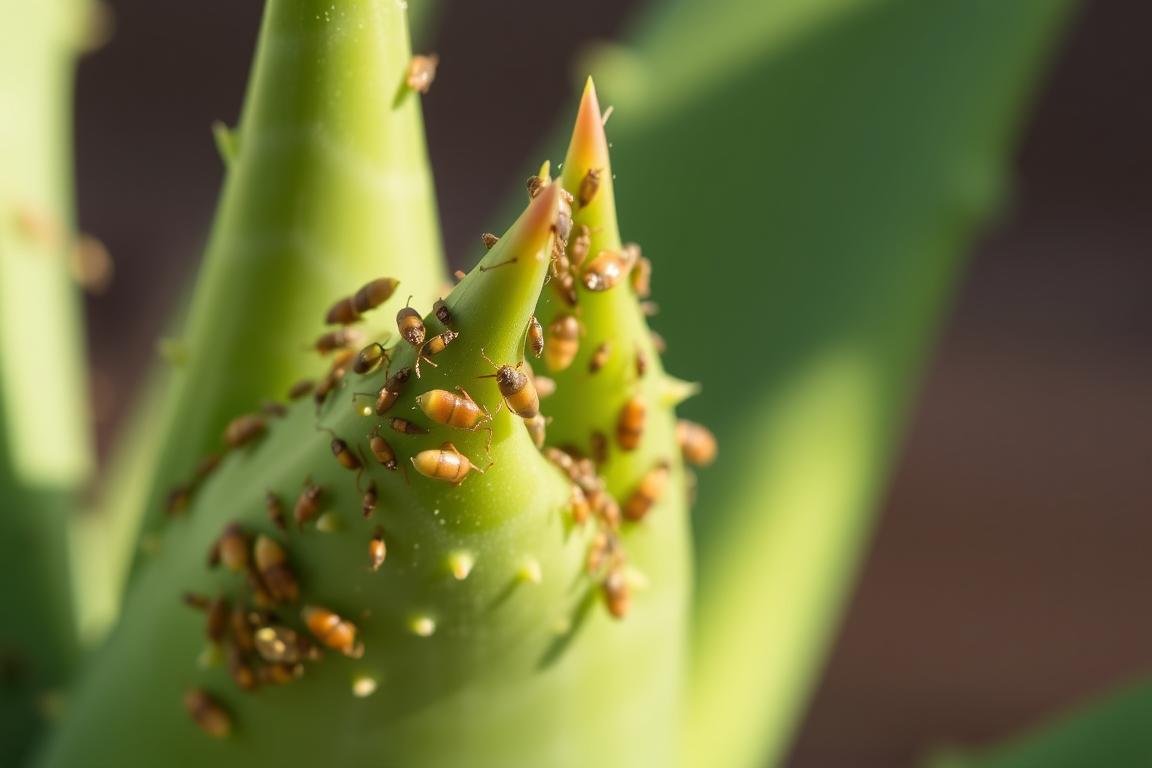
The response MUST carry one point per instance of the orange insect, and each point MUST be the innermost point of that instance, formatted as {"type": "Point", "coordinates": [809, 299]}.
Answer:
{"type": "Point", "coordinates": [697, 443]}
{"type": "Point", "coordinates": [421, 72]}
{"type": "Point", "coordinates": [233, 548]}
{"type": "Point", "coordinates": [411, 325]}
{"type": "Point", "coordinates": [648, 493]}
{"type": "Point", "coordinates": [342, 312]}
{"type": "Point", "coordinates": [516, 387]}
{"type": "Point", "coordinates": [391, 391]}
{"type": "Point", "coordinates": [344, 455]}
{"type": "Point", "coordinates": [489, 240]}
{"type": "Point", "coordinates": [333, 631]}
{"type": "Point", "coordinates": [434, 346]}
{"type": "Point", "coordinates": [589, 186]}
{"type": "Point", "coordinates": [307, 504]}
{"type": "Point", "coordinates": [617, 593]}
{"type": "Point", "coordinates": [207, 713]}
{"type": "Point", "coordinates": [535, 337]}
{"type": "Point", "coordinates": [377, 550]}
{"type": "Point", "coordinates": [537, 426]}
{"type": "Point", "coordinates": [445, 463]}
{"type": "Point", "coordinates": [382, 450]}
{"type": "Point", "coordinates": [642, 277]}
{"type": "Point", "coordinates": [630, 423]}
{"type": "Point", "coordinates": [610, 267]}
{"type": "Point", "coordinates": [374, 293]}
{"type": "Point", "coordinates": [405, 427]}
{"type": "Point", "coordinates": [277, 575]}
{"type": "Point", "coordinates": [580, 246]}
{"type": "Point", "coordinates": [563, 342]}
{"type": "Point", "coordinates": [334, 340]}
{"type": "Point", "coordinates": [454, 410]}
{"type": "Point", "coordinates": [599, 357]}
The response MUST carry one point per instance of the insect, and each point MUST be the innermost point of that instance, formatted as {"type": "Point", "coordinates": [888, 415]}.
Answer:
{"type": "Point", "coordinates": [443, 314]}
{"type": "Point", "coordinates": [279, 674]}
{"type": "Point", "coordinates": [421, 72]}
{"type": "Point", "coordinates": [454, 410]}
{"type": "Point", "coordinates": [599, 447]}
{"type": "Point", "coordinates": [216, 622]}
{"type": "Point", "coordinates": [563, 224]}
{"type": "Point", "coordinates": [342, 312]}
{"type": "Point", "coordinates": [579, 505]}
{"type": "Point", "coordinates": [648, 492]}
{"type": "Point", "coordinates": [535, 336]}
{"type": "Point", "coordinates": [333, 631]}
{"type": "Point", "coordinates": [580, 246]}
{"type": "Point", "coordinates": [382, 450]}
{"type": "Point", "coordinates": [589, 186]}
{"type": "Point", "coordinates": [344, 455]}
{"type": "Point", "coordinates": [177, 500]}
{"type": "Point", "coordinates": [545, 387]}
{"type": "Point", "coordinates": [280, 644]}
{"type": "Point", "coordinates": [610, 267]}
{"type": "Point", "coordinates": [534, 184]}
{"type": "Point", "coordinates": [489, 240]}
{"type": "Point", "coordinates": [301, 388]}
{"type": "Point", "coordinates": [377, 550]}
{"type": "Point", "coordinates": [565, 285]}
{"type": "Point", "coordinates": [641, 363]}
{"type": "Point", "coordinates": [374, 293]}
{"type": "Point", "coordinates": [599, 357]}
{"type": "Point", "coordinates": [242, 636]}
{"type": "Point", "coordinates": [334, 340]}
{"type": "Point", "coordinates": [410, 325]}
{"type": "Point", "coordinates": [563, 342]}
{"type": "Point", "coordinates": [445, 463]}
{"type": "Point", "coordinates": [391, 391]}
{"type": "Point", "coordinates": [206, 466]}
{"type": "Point", "coordinates": [275, 509]}
{"type": "Point", "coordinates": [241, 671]}
{"type": "Point", "coordinates": [207, 713]}
{"type": "Point", "coordinates": [537, 426]}
{"type": "Point", "coordinates": [405, 427]}
{"type": "Point", "coordinates": [642, 277]}
{"type": "Point", "coordinates": [369, 358]}
{"type": "Point", "coordinates": [243, 430]}
{"type": "Point", "coordinates": [516, 388]}
{"type": "Point", "coordinates": [233, 547]}
{"type": "Point", "coordinates": [277, 575]}
{"type": "Point", "coordinates": [434, 346]}
{"type": "Point", "coordinates": [307, 504]}
{"type": "Point", "coordinates": [630, 423]}
{"type": "Point", "coordinates": [697, 443]}
{"type": "Point", "coordinates": [617, 593]}
{"type": "Point", "coordinates": [368, 502]}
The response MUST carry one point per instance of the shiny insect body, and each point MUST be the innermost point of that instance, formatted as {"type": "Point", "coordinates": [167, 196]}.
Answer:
{"type": "Point", "coordinates": [345, 456]}
{"type": "Point", "coordinates": [610, 267]}
{"type": "Point", "coordinates": [332, 630]}
{"type": "Point", "coordinates": [307, 504]}
{"type": "Point", "coordinates": [377, 550]}
{"type": "Point", "coordinates": [445, 463]}
{"type": "Point", "coordinates": [382, 450]}
{"type": "Point", "coordinates": [443, 314]}
{"type": "Point", "coordinates": [535, 336]}
{"type": "Point", "coordinates": [369, 358]}
{"type": "Point", "coordinates": [454, 410]}
{"type": "Point", "coordinates": [421, 72]}
{"type": "Point", "coordinates": [341, 338]}
{"type": "Point", "coordinates": [405, 427]}
{"type": "Point", "coordinates": [391, 391]}
{"type": "Point", "coordinates": [516, 387]}
{"type": "Point", "coordinates": [563, 342]}
{"type": "Point", "coordinates": [274, 571]}
{"type": "Point", "coordinates": [617, 593]}
{"type": "Point", "coordinates": [434, 346]}
{"type": "Point", "coordinates": [589, 186]}
{"type": "Point", "coordinates": [374, 293]}
{"type": "Point", "coordinates": [630, 423]}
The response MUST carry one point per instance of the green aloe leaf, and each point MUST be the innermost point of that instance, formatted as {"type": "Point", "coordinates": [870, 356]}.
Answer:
{"type": "Point", "coordinates": [805, 177]}
{"type": "Point", "coordinates": [1113, 731]}
{"type": "Point", "coordinates": [328, 187]}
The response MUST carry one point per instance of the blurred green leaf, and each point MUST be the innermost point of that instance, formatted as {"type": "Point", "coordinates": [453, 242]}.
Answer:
{"type": "Point", "coordinates": [1112, 732]}
{"type": "Point", "coordinates": [804, 176]}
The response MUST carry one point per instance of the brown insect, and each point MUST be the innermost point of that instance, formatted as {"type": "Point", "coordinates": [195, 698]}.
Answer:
{"type": "Point", "coordinates": [421, 72]}
{"type": "Point", "coordinates": [563, 342]}
{"type": "Point", "coordinates": [563, 224]}
{"type": "Point", "coordinates": [535, 186]}
{"type": "Point", "coordinates": [642, 277]}
{"type": "Point", "coordinates": [391, 391]}
{"type": "Point", "coordinates": [648, 492]}
{"type": "Point", "coordinates": [405, 427]}
{"type": "Point", "coordinates": [599, 443]}
{"type": "Point", "coordinates": [333, 631]}
{"type": "Point", "coordinates": [207, 713]}
{"type": "Point", "coordinates": [277, 575]}
{"type": "Point", "coordinates": [581, 510]}
{"type": "Point", "coordinates": [280, 644]}
{"type": "Point", "coordinates": [275, 509]}
{"type": "Point", "coordinates": [307, 504]}
{"type": "Point", "coordinates": [697, 443]}
{"type": "Point", "coordinates": [641, 363]}
{"type": "Point", "coordinates": [335, 340]}
{"type": "Point", "coordinates": [377, 550]}
{"type": "Point", "coordinates": [610, 267]}
{"type": "Point", "coordinates": [617, 593]}
{"type": "Point", "coordinates": [342, 312]}
{"type": "Point", "coordinates": [516, 387]}
{"type": "Point", "coordinates": [565, 285]}
{"type": "Point", "coordinates": [176, 503]}
{"type": "Point", "coordinates": [434, 346]}
{"type": "Point", "coordinates": [589, 186]}
{"type": "Point", "coordinates": [244, 429]}
{"type": "Point", "coordinates": [370, 358]}
{"type": "Point", "coordinates": [242, 636]}
{"type": "Point", "coordinates": [411, 325]}
{"type": "Point", "coordinates": [443, 314]}
{"type": "Point", "coordinates": [368, 502]}
{"type": "Point", "coordinates": [216, 621]}
{"type": "Point", "coordinates": [233, 547]}
{"type": "Point", "coordinates": [382, 450]}
{"type": "Point", "coordinates": [599, 357]}
{"type": "Point", "coordinates": [630, 423]}
{"type": "Point", "coordinates": [241, 671]}
{"type": "Point", "coordinates": [374, 293]}
{"type": "Point", "coordinates": [537, 426]}
{"type": "Point", "coordinates": [206, 467]}
{"type": "Point", "coordinates": [279, 674]}
{"type": "Point", "coordinates": [345, 456]}
{"type": "Point", "coordinates": [489, 239]}
{"type": "Point", "coordinates": [454, 410]}
{"type": "Point", "coordinates": [301, 388]}
{"type": "Point", "coordinates": [535, 336]}
{"type": "Point", "coordinates": [580, 246]}
{"type": "Point", "coordinates": [445, 463]}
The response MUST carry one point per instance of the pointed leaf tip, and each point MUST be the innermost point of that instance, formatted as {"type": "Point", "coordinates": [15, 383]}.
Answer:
{"type": "Point", "coordinates": [589, 146]}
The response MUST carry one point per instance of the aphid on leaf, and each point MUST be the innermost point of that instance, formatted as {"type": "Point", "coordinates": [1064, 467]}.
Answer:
{"type": "Point", "coordinates": [243, 430]}
{"type": "Point", "coordinates": [177, 500]}
{"type": "Point", "coordinates": [391, 391]}
{"type": "Point", "coordinates": [537, 426]}
{"type": "Point", "coordinates": [374, 293]}
{"type": "Point", "coordinates": [562, 227]}
{"type": "Point", "coordinates": [411, 325]}
{"type": "Point", "coordinates": [535, 185]}
{"type": "Point", "coordinates": [642, 277]}
{"type": "Point", "coordinates": [445, 463]}
{"type": "Point", "coordinates": [377, 550]}
{"type": "Point", "coordinates": [617, 593]}
{"type": "Point", "coordinates": [641, 363]}
{"type": "Point", "coordinates": [275, 509]}
{"type": "Point", "coordinates": [405, 427]}
{"type": "Point", "coordinates": [342, 312]}
{"type": "Point", "coordinates": [599, 357]}
{"type": "Point", "coordinates": [535, 336]}
{"type": "Point", "coordinates": [368, 502]}
{"type": "Point", "coordinates": [579, 506]}
{"type": "Point", "coordinates": [307, 504]}
{"type": "Point", "coordinates": [454, 410]}
{"type": "Point", "coordinates": [516, 387]}
{"type": "Point", "coordinates": [281, 645]}
{"type": "Point", "coordinates": [648, 492]}
{"type": "Point", "coordinates": [697, 443]}
{"type": "Point", "coordinates": [241, 630]}
{"type": "Point", "coordinates": [610, 267]}
{"type": "Point", "coordinates": [434, 346]}
{"type": "Point", "coordinates": [580, 246]}
{"type": "Point", "coordinates": [382, 450]}
{"type": "Point", "coordinates": [489, 239]}
{"type": "Point", "coordinates": [333, 631]}
{"type": "Point", "coordinates": [241, 671]}
{"type": "Point", "coordinates": [563, 342]}
{"type": "Point", "coordinates": [589, 186]}
{"type": "Point", "coordinates": [369, 358]}
{"type": "Point", "coordinates": [630, 423]}
{"type": "Point", "coordinates": [345, 456]}
{"type": "Point", "coordinates": [443, 314]}
{"type": "Point", "coordinates": [273, 409]}
{"type": "Point", "coordinates": [216, 620]}
{"type": "Point", "coordinates": [207, 713]}
{"type": "Point", "coordinates": [334, 340]}
{"type": "Point", "coordinates": [301, 388]}
{"type": "Point", "coordinates": [195, 600]}
{"type": "Point", "coordinates": [272, 566]}
{"type": "Point", "coordinates": [233, 546]}
{"type": "Point", "coordinates": [421, 72]}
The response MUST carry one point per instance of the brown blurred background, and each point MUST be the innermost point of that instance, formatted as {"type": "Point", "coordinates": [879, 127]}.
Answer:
{"type": "Point", "coordinates": [1011, 571]}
